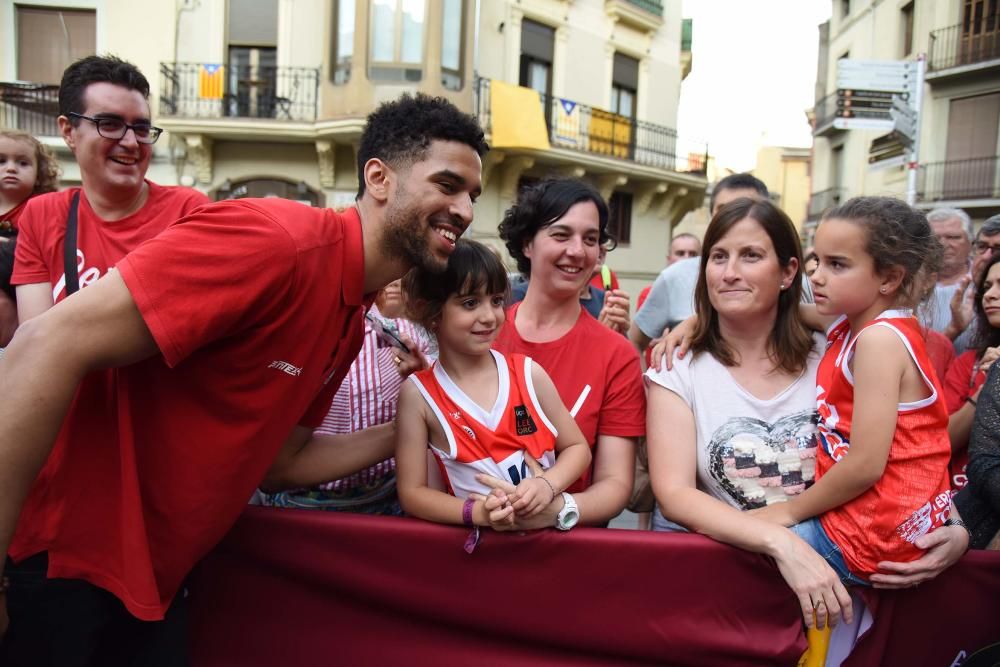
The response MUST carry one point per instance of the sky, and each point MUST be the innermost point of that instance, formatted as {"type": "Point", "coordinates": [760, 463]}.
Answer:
{"type": "Point", "coordinates": [753, 75]}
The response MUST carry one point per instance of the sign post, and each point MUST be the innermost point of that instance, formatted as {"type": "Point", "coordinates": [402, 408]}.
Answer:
{"type": "Point", "coordinates": [918, 101]}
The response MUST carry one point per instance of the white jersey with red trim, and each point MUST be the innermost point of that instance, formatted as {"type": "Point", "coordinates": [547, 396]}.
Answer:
{"type": "Point", "coordinates": [491, 442]}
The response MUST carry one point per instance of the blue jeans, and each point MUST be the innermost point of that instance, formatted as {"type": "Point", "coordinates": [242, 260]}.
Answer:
{"type": "Point", "coordinates": [662, 524]}
{"type": "Point", "coordinates": [812, 532]}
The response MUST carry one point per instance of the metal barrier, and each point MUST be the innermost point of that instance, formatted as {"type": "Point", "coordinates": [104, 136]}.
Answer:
{"type": "Point", "coordinates": [200, 90]}
{"type": "Point", "coordinates": [31, 107]}
{"type": "Point", "coordinates": [974, 41]}
{"type": "Point", "coordinates": [590, 130]}
{"type": "Point", "coordinates": [974, 178]}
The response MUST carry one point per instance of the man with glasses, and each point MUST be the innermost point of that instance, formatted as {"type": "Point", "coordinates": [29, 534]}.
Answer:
{"type": "Point", "coordinates": [962, 327]}
{"type": "Point", "coordinates": [953, 228]}
{"type": "Point", "coordinates": [105, 120]}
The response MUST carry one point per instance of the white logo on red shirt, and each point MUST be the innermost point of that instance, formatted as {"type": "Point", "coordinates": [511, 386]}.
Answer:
{"type": "Point", "coordinates": [86, 276]}
{"type": "Point", "coordinates": [294, 371]}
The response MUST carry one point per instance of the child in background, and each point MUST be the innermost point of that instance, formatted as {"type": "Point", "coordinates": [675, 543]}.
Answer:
{"type": "Point", "coordinates": [27, 168]}
{"type": "Point", "coordinates": [882, 467]}
{"type": "Point", "coordinates": [478, 410]}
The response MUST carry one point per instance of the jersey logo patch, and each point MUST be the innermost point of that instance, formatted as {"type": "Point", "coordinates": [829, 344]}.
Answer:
{"type": "Point", "coordinates": [525, 424]}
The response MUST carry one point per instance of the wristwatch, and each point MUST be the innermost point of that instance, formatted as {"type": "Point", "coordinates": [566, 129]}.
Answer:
{"type": "Point", "coordinates": [569, 514]}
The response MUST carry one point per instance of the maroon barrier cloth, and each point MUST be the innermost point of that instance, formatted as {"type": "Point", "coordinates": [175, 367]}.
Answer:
{"type": "Point", "coordinates": [299, 587]}
{"type": "Point", "coordinates": [940, 622]}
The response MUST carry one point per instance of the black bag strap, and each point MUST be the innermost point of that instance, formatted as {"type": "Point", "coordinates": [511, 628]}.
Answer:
{"type": "Point", "coordinates": [69, 247]}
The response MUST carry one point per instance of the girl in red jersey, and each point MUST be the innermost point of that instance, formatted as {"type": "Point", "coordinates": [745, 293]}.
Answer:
{"type": "Point", "coordinates": [882, 417]}
{"type": "Point", "coordinates": [27, 168]}
{"type": "Point", "coordinates": [480, 412]}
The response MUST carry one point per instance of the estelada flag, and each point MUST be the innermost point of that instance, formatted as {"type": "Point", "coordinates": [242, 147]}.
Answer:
{"type": "Point", "coordinates": [210, 79]}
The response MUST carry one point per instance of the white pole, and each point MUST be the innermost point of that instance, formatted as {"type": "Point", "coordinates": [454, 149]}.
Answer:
{"type": "Point", "coordinates": [918, 104]}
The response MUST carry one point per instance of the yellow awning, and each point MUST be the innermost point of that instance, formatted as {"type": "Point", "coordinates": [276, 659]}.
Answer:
{"type": "Point", "coordinates": [516, 117]}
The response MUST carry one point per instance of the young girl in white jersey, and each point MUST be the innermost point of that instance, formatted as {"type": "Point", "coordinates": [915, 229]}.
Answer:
{"type": "Point", "coordinates": [479, 411]}
{"type": "Point", "coordinates": [883, 420]}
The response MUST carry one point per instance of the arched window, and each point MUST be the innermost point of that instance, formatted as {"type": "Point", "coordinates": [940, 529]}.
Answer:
{"type": "Point", "coordinates": [270, 187]}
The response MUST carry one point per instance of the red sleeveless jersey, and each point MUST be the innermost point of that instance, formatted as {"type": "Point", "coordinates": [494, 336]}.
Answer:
{"type": "Point", "coordinates": [491, 442]}
{"type": "Point", "coordinates": [912, 497]}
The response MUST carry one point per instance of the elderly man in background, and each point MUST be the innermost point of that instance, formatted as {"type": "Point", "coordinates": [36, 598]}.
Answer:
{"type": "Point", "coordinates": [953, 228]}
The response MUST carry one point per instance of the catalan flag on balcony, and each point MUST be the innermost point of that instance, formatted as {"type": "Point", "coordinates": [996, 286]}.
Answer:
{"type": "Point", "coordinates": [516, 117]}
{"type": "Point", "coordinates": [210, 81]}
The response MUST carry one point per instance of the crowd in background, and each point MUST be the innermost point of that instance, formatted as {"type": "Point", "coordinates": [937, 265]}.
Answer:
{"type": "Point", "coordinates": [519, 407]}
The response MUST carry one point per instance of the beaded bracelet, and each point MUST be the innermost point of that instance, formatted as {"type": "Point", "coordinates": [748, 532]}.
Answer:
{"type": "Point", "coordinates": [551, 488]}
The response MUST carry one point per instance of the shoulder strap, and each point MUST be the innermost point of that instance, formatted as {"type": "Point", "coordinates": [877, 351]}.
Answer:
{"type": "Point", "coordinates": [69, 247]}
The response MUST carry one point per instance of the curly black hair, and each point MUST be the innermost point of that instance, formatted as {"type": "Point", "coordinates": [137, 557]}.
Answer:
{"type": "Point", "coordinates": [97, 69]}
{"type": "Point", "coordinates": [542, 204]}
{"type": "Point", "coordinates": [401, 131]}
{"type": "Point", "coordinates": [898, 235]}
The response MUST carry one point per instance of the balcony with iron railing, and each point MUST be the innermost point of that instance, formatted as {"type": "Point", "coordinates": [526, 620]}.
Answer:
{"type": "Point", "coordinates": [200, 90]}
{"type": "Point", "coordinates": [822, 201]}
{"type": "Point", "coordinates": [968, 181]}
{"type": "Point", "coordinates": [651, 6]}
{"type": "Point", "coordinates": [598, 132]}
{"type": "Point", "coordinates": [824, 113]}
{"type": "Point", "coordinates": [31, 107]}
{"type": "Point", "coordinates": [973, 45]}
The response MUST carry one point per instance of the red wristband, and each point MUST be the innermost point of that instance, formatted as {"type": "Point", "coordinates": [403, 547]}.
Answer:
{"type": "Point", "coordinates": [467, 511]}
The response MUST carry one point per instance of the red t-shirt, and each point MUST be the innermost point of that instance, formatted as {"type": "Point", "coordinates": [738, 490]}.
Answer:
{"type": "Point", "coordinates": [9, 220]}
{"type": "Point", "coordinates": [912, 497]}
{"type": "Point", "coordinates": [257, 309]}
{"type": "Point", "coordinates": [100, 244]}
{"type": "Point", "coordinates": [961, 381]}
{"type": "Point", "coordinates": [592, 364]}
{"type": "Point", "coordinates": [940, 350]}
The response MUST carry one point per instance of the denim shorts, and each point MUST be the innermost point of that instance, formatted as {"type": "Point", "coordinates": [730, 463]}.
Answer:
{"type": "Point", "coordinates": [812, 532]}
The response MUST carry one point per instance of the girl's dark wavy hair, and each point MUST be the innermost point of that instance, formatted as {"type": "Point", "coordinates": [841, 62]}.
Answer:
{"type": "Point", "coordinates": [472, 268]}
{"type": "Point", "coordinates": [986, 334]}
{"type": "Point", "coordinates": [542, 204]}
{"type": "Point", "coordinates": [790, 342]}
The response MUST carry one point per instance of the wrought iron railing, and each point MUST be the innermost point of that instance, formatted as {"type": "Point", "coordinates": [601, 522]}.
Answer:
{"type": "Point", "coordinates": [822, 201]}
{"type": "Point", "coordinates": [590, 130]}
{"type": "Point", "coordinates": [968, 43]}
{"type": "Point", "coordinates": [651, 6]}
{"type": "Point", "coordinates": [975, 178]}
{"type": "Point", "coordinates": [199, 90]}
{"type": "Point", "coordinates": [824, 112]}
{"type": "Point", "coordinates": [31, 107]}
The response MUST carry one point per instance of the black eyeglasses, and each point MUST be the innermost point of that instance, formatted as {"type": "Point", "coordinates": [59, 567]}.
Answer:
{"type": "Point", "coordinates": [115, 128]}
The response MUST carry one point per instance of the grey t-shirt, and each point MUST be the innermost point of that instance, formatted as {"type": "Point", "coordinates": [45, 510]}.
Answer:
{"type": "Point", "coordinates": [671, 300]}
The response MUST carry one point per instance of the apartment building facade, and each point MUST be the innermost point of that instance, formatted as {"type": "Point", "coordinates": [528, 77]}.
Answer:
{"type": "Point", "coordinates": [269, 97]}
{"type": "Point", "coordinates": [958, 157]}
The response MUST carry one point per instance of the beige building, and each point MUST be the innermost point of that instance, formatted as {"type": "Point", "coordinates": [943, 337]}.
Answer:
{"type": "Point", "coordinates": [785, 171]}
{"type": "Point", "coordinates": [269, 97]}
{"type": "Point", "coordinates": [958, 159]}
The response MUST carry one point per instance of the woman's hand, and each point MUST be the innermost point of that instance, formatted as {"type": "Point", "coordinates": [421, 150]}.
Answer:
{"type": "Point", "coordinates": [823, 598]}
{"type": "Point", "coordinates": [944, 547]}
{"type": "Point", "coordinates": [409, 362]}
{"type": "Point", "coordinates": [677, 339]}
{"type": "Point", "coordinates": [615, 312]}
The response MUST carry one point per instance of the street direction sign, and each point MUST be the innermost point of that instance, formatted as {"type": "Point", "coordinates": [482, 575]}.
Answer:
{"type": "Point", "coordinates": [880, 75]}
{"type": "Point", "coordinates": [881, 123]}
